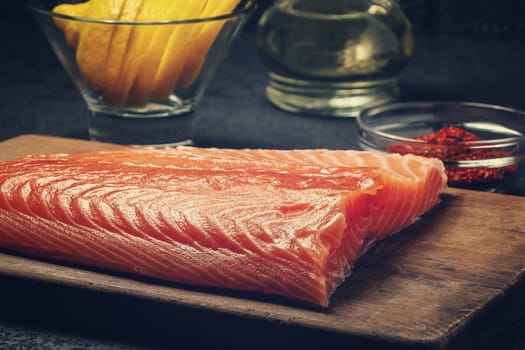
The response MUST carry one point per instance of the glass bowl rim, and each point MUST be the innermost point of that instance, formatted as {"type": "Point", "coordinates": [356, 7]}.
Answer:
{"type": "Point", "coordinates": [363, 126]}
{"type": "Point", "coordinates": [249, 6]}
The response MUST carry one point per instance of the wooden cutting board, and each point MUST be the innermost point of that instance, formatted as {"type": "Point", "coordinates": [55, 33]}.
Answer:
{"type": "Point", "coordinates": [455, 274]}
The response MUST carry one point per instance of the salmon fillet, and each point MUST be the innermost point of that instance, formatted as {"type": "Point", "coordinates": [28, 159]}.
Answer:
{"type": "Point", "coordinates": [289, 223]}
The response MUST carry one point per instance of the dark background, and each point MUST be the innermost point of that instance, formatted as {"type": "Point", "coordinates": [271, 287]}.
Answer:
{"type": "Point", "coordinates": [477, 18]}
{"type": "Point", "coordinates": [464, 51]}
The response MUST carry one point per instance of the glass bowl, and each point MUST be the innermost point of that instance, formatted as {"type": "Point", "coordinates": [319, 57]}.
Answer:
{"type": "Point", "coordinates": [482, 146]}
{"type": "Point", "coordinates": [136, 74]}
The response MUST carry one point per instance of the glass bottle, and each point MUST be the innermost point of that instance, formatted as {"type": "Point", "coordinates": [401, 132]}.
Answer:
{"type": "Point", "coordinates": [333, 57]}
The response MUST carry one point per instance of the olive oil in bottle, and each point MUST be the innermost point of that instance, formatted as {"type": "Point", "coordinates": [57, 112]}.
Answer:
{"type": "Point", "coordinates": [333, 57]}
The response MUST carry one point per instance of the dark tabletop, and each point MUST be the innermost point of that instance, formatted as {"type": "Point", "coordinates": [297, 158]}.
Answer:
{"type": "Point", "coordinates": [481, 62]}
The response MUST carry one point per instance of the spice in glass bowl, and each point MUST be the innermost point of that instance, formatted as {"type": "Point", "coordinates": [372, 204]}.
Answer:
{"type": "Point", "coordinates": [454, 146]}
{"type": "Point", "coordinates": [482, 146]}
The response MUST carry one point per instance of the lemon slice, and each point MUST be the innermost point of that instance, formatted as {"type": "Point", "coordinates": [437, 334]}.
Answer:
{"type": "Point", "coordinates": [204, 39]}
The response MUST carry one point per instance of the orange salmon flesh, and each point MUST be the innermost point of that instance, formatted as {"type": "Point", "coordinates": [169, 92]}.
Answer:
{"type": "Point", "coordinates": [289, 223]}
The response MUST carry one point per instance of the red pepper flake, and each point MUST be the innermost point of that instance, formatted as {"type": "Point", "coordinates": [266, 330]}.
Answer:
{"type": "Point", "coordinates": [450, 143]}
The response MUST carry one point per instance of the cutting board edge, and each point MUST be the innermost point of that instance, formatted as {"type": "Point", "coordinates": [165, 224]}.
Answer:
{"type": "Point", "coordinates": [113, 283]}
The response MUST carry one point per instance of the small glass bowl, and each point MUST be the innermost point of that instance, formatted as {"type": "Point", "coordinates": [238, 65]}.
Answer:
{"type": "Point", "coordinates": [494, 163]}
{"type": "Point", "coordinates": [140, 78]}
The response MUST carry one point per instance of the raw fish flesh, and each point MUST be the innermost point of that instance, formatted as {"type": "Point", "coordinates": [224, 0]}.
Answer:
{"type": "Point", "coordinates": [289, 223]}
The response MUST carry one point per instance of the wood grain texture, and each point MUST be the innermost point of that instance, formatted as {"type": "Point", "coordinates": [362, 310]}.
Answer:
{"type": "Point", "coordinates": [456, 272]}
